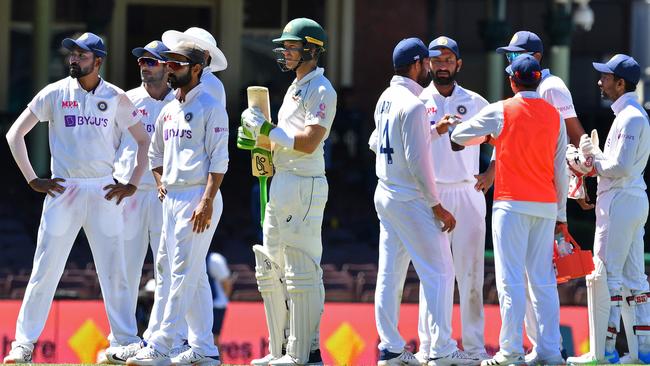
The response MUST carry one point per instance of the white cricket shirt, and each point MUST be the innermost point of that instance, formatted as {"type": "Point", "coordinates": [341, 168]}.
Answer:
{"type": "Point", "coordinates": [84, 127]}
{"type": "Point", "coordinates": [213, 86]}
{"type": "Point", "coordinates": [308, 101]}
{"type": "Point", "coordinates": [553, 90]}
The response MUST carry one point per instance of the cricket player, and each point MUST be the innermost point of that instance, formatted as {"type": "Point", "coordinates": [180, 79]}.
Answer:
{"type": "Point", "coordinates": [189, 157]}
{"type": "Point", "coordinates": [455, 173]}
{"type": "Point", "coordinates": [288, 264]}
{"type": "Point", "coordinates": [412, 220]}
{"type": "Point", "coordinates": [85, 116]}
{"type": "Point", "coordinates": [553, 90]}
{"type": "Point", "coordinates": [529, 200]}
{"type": "Point", "coordinates": [215, 60]}
{"type": "Point", "coordinates": [621, 214]}
{"type": "Point", "coordinates": [143, 211]}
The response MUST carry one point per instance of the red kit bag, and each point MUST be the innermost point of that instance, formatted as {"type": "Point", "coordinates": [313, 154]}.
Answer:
{"type": "Point", "coordinates": [577, 264]}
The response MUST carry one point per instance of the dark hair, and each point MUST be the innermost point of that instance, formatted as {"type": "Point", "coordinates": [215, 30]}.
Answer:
{"type": "Point", "coordinates": [404, 70]}
{"type": "Point", "coordinates": [526, 87]}
{"type": "Point", "coordinates": [629, 87]}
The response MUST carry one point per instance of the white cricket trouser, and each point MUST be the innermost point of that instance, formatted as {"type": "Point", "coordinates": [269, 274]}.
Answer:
{"type": "Point", "coordinates": [81, 205]}
{"type": "Point", "coordinates": [294, 218]}
{"type": "Point", "coordinates": [618, 242]}
{"type": "Point", "coordinates": [468, 252]}
{"type": "Point", "coordinates": [409, 232]}
{"type": "Point", "coordinates": [142, 216]}
{"type": "Point", "coordinates": [523, 244]}
{"type": "Point", "coordinates": [189, 295]}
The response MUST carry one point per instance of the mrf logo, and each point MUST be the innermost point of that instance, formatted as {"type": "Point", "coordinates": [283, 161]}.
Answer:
{"type": "Point", "coordinates": [69, 104]}
{"type": "Point", "coordinates": [143, 112]}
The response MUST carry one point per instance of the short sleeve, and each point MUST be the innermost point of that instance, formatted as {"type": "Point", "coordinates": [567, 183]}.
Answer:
{"type": "Point", "coordinates": [321, 107]}
{"type": "Point", "coordinates": [42, 103]}
{"type": "Point", "coordinates": [127, 114]}
{"type": "Point", "coordinates": [561, 99]}
{"type": "Point", "coordinates": [217, 267]}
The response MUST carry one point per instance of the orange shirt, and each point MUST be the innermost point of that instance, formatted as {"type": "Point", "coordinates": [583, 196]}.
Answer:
{"type": "Point", "coordinates": [525, 151]}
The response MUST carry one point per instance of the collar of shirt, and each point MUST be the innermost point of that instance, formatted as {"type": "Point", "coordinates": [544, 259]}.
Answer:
{"type": "Point", "coordinates": [168, 97]}
{"type": "Point", "coordinates": [318, 71]}
{"type": "Point", "coordinates": [206, 69]}
{"type": "Point", "coordinates": [74, 85]}
{"type": "Point", "coordinates": [408, 83]}
{"type": "Point", "coordinates": [530, 94]}
{"type": "Point", "coordinates": [546, 73]}
{"type": "Point", "coordinates": [455, 93]}
{"type": "Point", "coordinates": [623, 101]}
{"type": "Point", "coordinates": [190, 95]}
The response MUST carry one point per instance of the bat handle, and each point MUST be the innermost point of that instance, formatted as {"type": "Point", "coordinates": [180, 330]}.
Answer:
{"type": "Point", "coordinates": [263, 198]}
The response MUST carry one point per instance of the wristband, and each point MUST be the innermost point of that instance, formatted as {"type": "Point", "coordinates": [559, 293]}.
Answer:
{"type": "Point", "coordinates": [280, 137]}
{"type": "Point", "coordinates": [266, 128]}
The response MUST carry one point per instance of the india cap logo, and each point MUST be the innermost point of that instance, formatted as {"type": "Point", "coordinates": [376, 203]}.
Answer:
{"type": "Point", "coordinates": [152, 44]}
{"type": "Point", "coordinates": [83, 37]}
{"type": "Point", "coordinates": [443, 41]}
{"type": "Point", "coordinates": [514, 38]}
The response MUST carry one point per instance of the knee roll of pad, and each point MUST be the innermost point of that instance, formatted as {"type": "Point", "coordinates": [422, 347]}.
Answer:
{"type": "Point", "coordinates": [269, 283]}
{"type": "Point", "coordinates": [304, 286]}
{"type": "Point", "coordinates": [641, 303]}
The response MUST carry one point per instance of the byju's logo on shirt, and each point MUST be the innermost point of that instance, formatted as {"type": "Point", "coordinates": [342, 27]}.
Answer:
{"type": "Point", "coordinates": [72, 121]}
{"type": "Point", "coordinates": [176, 132]}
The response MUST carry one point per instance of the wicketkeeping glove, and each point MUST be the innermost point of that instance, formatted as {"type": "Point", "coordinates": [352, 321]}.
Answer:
{"type": "Point", "coordinates": [580, 164]}
{"type": "Point", "coordinates": [589, 145]}
{"type": "Point", "coordinates": [254, 123]}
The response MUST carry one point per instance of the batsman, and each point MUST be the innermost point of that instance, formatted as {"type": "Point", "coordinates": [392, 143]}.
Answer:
{"type": "Point", "coordinates": [288, 271]}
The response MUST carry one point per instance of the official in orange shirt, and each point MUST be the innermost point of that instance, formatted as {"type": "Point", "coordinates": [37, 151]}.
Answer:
{"type": "Point", "coordinates": [529, 201]}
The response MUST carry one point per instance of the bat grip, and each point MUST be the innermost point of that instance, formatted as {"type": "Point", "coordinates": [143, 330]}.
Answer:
{"type": "Point", "coordinates": [263, 197]}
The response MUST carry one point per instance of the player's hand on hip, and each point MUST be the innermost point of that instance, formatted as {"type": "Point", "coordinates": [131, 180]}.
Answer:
{"type": "Point", "coordinates": [162, 193]}
{"type": "Point", "coordinates": [446, 122]}
{"type": "Point", "coordinates": [447, 219]}
{"type": "Point", "coordinates": [201, 216]}
{"type": "Point", "coordinates": [119, 191]}
{"type": "Point", "coordinates": [49, 186]}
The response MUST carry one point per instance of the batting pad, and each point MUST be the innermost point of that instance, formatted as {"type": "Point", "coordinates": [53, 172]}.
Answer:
{"type": "Point", "coordinates": [628, 315]}
{"type": "Point", "coordinates": [269, 283]}
{"type": "Point", "coordinates": [306, 295]}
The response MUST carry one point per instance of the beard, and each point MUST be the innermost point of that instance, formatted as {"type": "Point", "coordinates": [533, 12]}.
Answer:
{"type": "Point", "coordinates": [425, 79]}
{"type": "Point", "coordinates": [78, 72]}
{"type": "Point", "coordinates": [178, 81]}
{"type": "Point", "coordinates": [152, 77]}
{"type": "Point", "coordinates": [444, 77]}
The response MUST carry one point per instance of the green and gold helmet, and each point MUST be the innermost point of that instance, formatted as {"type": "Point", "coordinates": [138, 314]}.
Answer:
{"type": "Point", "coordinates": [306, 30]}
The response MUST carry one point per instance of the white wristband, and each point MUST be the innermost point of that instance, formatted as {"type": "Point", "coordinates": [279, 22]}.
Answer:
{"type": "Point", "coordinates": [280, 137]}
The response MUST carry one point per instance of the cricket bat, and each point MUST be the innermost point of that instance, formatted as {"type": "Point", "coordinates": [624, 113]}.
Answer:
{"type": "Point", "coordinates": [261, 161]}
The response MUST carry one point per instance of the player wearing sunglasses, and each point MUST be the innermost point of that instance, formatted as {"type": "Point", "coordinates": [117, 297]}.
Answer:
{"type": "Point", "coordinates": [142, 214]}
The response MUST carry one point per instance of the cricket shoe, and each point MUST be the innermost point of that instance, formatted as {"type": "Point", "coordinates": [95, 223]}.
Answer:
{"type": "Point", "coordinates": [286, 360]}
{"type": "Point", "coordinates": [405, 358]}
{"type": "Point", "coordinates": [557, 360]}
{"type": "Point", "coordinates": [590, 359]}
{"type": "Point", "coordinates": [119, 355]}
{"type": "Point", "coordinates": [314, 358]}
{"type": "Point", "coordinates": [456, 358]}
{"type": "Point", "coordinates": [190, 357]}
{"type": "Point", "coordinates": [148, 356]}
{"type": "Point", "coordinates": [264, 361]}
{"type": "Point", "coordinates": [422, 357]}
{"type": "Point", "coordinates": [500, 359]}
{"type": "Point", "coordinates": [179, 349]}
{"type": "Point", "coordinates": [481, 355]}
{"type": "Point", "coordinates": [19, 354]}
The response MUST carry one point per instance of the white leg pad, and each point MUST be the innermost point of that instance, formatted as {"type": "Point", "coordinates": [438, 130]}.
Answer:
{"type": "Point", "coordinates": [269, 283]}
{"type": "Point", "coordinates": [598, 300]}
{"type": "Point", "coordinates": [306, 295]}
{"type": "Point", "coordinates": [627, 313]}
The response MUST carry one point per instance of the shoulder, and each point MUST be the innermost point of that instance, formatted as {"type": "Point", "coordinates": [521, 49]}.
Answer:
{"type": "Point", "coordinates": [56, 86]}
{"type": "Point", "coordinates": [136, 94]}
{"type": "Point", "coordinates": [217, 259]}
{"type": "Point", "coordinates": [553, 83]}
{"type": "Point", "coordinates": [209, 103]}
{"type": "Point", "coordinates": [109, 90]}
{"type": "Point", "coordinates": [472, 95]}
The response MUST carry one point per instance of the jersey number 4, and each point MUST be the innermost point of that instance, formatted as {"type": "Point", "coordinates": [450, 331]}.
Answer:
{"type": "Point", "coordinates": [385, 146]}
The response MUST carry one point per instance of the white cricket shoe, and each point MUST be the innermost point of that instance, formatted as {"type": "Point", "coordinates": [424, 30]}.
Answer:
{"type": "Point", "coordinates": [481, 355]}
{"type": "Point", "coordinates": [190, 357]}
{"type": "Point", "coordinates": [19, 354]}
{"type": "Point", "coordinates": [119, 354]}
{"type": "Point", "coordinates": [422, 357]}
{"type": "Point", "coordinates": [148, 356]}
{"type": "Point", "coordinates": [264, 361]}
{"type": "Point", "coordinates": [405, 358]}
{"type": "Point", "coordinates": [456, 358]}
{"type": "Point", "coordinates": [286, 360]}
{"type": "Point", "coordinates": [556, 360]}
{"type": "Point", "coordinates": [179, 349]}
{"type": "Point", "coordinates": [500, 359]}
{"type": "Point", "coordinates": [590, 359]}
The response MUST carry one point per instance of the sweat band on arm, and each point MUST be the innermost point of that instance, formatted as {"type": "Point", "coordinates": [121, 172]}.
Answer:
{"type": "Point", "coordinates": [279, 136]}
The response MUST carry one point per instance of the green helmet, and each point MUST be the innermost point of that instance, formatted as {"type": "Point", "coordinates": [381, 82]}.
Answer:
{"type": "Point", "coordinates": [303, 29]}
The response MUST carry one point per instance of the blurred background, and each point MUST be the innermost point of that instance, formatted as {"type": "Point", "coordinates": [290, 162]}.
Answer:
{"type": "Point", "coordinates": [362, 34]}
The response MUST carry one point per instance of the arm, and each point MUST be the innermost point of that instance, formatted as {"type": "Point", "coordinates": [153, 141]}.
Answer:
{"type": "Point", "coordinates": [619, 162]}
{"type": "Point", "coordinates": [574, 130]}
{"type": "Point", "coordinates": [561, 175]}
{"type": "Point", "coordinates": [142, 138]}
{"type": "Point", "coordinates": [373, 141]}
{"type": "Point", "coordinates": [307, 140]}
{"type": "Point", "coordinates": [488, 122]}
{"type": "Point", "coordinates": [155, 155]}
{"type": "Point", "coordinates": [16, 140]}
{"type": "Point", "coordinates": [202, 214]}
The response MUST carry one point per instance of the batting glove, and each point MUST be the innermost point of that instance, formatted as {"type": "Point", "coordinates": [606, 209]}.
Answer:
{"type": "Point", "coordinates": [580, 164]}
{"type": "Point", "coordinates": [243, 141]}
{"type": "Point", "coordinates": [254, 123]}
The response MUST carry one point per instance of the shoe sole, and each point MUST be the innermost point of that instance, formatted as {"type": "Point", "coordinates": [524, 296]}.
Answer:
{"type": "Point", "coordinates": [111, 359]}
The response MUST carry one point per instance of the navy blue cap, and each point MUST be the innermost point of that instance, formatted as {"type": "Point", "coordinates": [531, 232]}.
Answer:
{"type": "Point", "coordinates": [445, 42]}
{"type": "Point", "coordinates": [523, 41]}
{"type": "Point", "coordinates": [623, 66]}
{"type": "Point", "coordinates": [156, 48]}
{"type": "Point", "coordinates": [410, 50]}
{"type": "Point", "coordinates": [525, 70]}
{"type": "Point", "coordinates": [87, 41]}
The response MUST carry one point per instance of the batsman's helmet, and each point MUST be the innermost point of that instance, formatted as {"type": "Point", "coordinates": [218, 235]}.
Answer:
{"type": "Point", "coordinates": [303, 29]}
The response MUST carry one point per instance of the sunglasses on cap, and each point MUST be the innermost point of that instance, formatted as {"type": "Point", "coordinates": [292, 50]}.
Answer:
{"type": "Point", "coordinates": [511, 56]}
{"type": "Point", "coordinates": [177, 65]}
{"type": "Point", "coordinates": [151, 62]}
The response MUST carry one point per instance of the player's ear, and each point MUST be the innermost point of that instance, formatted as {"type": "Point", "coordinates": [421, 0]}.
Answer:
{"type": "Point", "coordinates": [99, 61]}
{"type": "Point", "coordinates": [459, 64]}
